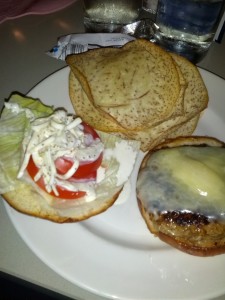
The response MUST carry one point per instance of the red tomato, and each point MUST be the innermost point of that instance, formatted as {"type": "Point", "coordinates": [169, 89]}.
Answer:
{"type": "Point", "coordinates": [32, 169]}
{"type": "Point", "coordinates": [90, 130]}
{"type": "Point", "coordinates": [86, 170]}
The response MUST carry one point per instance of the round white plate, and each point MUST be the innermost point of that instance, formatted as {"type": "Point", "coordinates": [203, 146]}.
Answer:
{"type": "Point", "coordinates": [113, 254]}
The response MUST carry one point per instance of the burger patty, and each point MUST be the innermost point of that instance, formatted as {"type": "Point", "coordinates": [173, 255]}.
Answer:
{"type": "Point", "coordinates": [190, 232]}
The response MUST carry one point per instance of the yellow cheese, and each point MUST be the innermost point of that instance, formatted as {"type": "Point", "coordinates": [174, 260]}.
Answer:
{"type": "Point", "coordinates": [185, 178]}
{"type": "Point", "coordinates": [199, 168]}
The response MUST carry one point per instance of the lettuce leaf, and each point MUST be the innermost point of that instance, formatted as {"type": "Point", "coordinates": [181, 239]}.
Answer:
{"type": "Point", "coordinates": [13, 127]}
{"type": "Point", "coordinates": [36, 106]}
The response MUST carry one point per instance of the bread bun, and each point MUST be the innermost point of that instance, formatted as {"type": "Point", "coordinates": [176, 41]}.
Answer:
{"type": "Point", "coordinates": [56, 167]}
{"type": "Point", "coordinates": [171, 206]}
{"type": "Point", "coordinates": [30, 200]}
{"type": "Point", "coordinates": [26, 197]}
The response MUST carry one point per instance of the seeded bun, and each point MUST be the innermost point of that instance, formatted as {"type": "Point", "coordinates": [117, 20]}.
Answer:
{"type": "Point", "coordinates": [190, 232]}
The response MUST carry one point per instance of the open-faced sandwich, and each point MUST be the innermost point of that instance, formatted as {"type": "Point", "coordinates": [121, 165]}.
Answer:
{"type": "Point", "coordinates": [56, 167]}
{"type": "Point", "coordinates": [180, 190]}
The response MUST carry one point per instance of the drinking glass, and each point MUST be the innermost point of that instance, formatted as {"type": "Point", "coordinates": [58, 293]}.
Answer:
{"type": "Point", "coordinates": [187, 27]}
{"type": "Point", "coordinates": [110, 15]}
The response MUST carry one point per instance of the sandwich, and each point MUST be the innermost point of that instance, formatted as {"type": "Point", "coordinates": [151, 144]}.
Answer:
{"type": "Point", "coordinates": [55, 166]}
{"type": "Point", "coordinates": [180, 192]}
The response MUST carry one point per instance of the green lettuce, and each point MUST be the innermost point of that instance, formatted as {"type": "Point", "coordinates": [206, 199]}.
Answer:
{"type": "Point", "coordinates": [13, 127]}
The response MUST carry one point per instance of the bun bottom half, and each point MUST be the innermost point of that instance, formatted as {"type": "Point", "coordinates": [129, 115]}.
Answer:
{"type": "Point", "coordinates": [28, 200]}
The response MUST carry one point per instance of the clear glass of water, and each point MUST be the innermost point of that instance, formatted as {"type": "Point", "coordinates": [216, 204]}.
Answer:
{"type": "Point", "coordinates": [110, 15]}
{"type": "Point", "coordinates": [187, 27]}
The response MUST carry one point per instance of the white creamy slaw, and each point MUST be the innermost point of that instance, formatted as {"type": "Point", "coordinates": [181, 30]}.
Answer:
{"type": "Point", "coordinates": [59, 135]}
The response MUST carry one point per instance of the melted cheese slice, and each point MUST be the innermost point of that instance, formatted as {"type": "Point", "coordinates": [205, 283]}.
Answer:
{"type": "Point", "coordinates": [185, 178]}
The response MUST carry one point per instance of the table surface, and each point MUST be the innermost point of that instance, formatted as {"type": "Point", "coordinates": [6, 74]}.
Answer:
{"type": "Point", "coordinates": [24, 63]}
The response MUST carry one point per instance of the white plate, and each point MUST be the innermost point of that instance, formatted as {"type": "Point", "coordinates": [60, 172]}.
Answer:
{"type": "Point", "coordinates": [113, 254]}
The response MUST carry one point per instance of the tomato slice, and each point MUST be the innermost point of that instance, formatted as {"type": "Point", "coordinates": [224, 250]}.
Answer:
{"type": "Point", "coordinates": [86, 170]}
{"type": "Point", "coordinates": [90, 130]}
{"type": "Point", "coordinates": [32, 170]}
